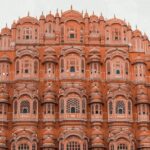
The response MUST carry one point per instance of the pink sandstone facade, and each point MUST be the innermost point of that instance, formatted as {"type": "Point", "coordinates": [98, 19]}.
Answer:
{"type": "Point", "coordinates": [72, 81]}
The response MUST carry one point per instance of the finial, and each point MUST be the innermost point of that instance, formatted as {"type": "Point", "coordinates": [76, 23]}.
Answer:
{"type": "Point", "coordinates": [50, 12]}
{"type": "Point", "coordinates": [136, 27]}
{"type": "Point", "coordinates": [6, 25]}
{"type": "Point", "coordinates": [124, 20]}
{"type": "Point", "coordinates": [28, 13]}
{"type": "Point", "coordinates": [101, 14]}
{"type": "Point", "coordinates": [71, 7]}
{"type": "Point", "coordinates": [61, 12]}
{"type": "Point", "coordinates": [114, 16]}
{"type": "Point", "coordinates": [93, 12]}
{"type": "Point", "coordinates": [82, 12]}
{"type": "Point", "coordinates": [42, 13]}
{"type": "Point", "coordinates": [57, 10]}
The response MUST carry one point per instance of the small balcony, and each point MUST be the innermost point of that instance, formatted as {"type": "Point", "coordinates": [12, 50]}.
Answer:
{"type": "Point", "coordinates": [73, 116]}
{"type": "Point", "coordinates": [25, 117]}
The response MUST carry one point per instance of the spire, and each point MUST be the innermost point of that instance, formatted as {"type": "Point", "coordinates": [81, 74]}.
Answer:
{"type": "Point", "coordinates": [71, 8]}
{"type": "Point", "coordinates": [86, 14]}
{"type": "Point", "coordinates": [114, 16]}
{"type": "Point", "coordinates": [93, 13]}
{"type": "Point", "coordinates": [6, 25]}
{"type": "Point", "coordinates": [136, 26]}
{"type": "Point", "coordinates": [57, 14]}
{"type": "Point", "coordinates": [28, 14]}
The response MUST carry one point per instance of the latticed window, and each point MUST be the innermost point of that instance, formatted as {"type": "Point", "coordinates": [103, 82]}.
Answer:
{"type": "Point", "coordinates": [23, 147]}
{"type": "Point", "coordinates": [73, 146]}
{"type": "Point", "coordinates": [25, 107]}
{"type": "Point", "coordinates": [120, 107]}
{"type": "Point", "coordinates": [110, 108]}
{"type": "Point", "coordinates": [122, 147]}
{"type": "Point", "coordinates": [73, 106]}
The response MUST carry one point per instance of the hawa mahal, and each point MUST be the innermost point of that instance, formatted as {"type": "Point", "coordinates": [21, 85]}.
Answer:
{"type": "Point", "coordinates": [74, 81]}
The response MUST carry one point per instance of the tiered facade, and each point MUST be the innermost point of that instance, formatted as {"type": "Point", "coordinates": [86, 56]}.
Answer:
{"type": "Point", "coordinates": [71, 81]}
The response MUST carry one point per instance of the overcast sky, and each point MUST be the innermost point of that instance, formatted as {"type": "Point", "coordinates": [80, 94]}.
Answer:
{"type": "Point", "coordinates": [137, 12]}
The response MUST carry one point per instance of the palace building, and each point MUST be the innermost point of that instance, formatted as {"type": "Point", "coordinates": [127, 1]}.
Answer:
{"type": "Point", "coordinates": [74, 81]}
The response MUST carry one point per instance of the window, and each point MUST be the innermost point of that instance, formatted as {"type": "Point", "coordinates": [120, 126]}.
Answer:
{"type": "Point", "coordinates": [34, 107]}
{"type": "Point", "coordinates": [83, 106]}
{"type": "Point", "coordinates": [126, 68]}
{"type": "Point", "coordinates": [117, 71]}
{"type": "Point", "coordinates": [62, 106]}
{"type": "Point", "coordinates": [110, 108]}
{"type": "Point", "coordinates": [1, 108]}
{"type": "Point", "coordinates": [122, 147]}
{"type": "Point", "coordinates": [73, 145]}
{"type": "Point", "coordinates": [25, 107]}
{"type": "Point", "coordinates": [112, 147]}
{"type": "Point", "coordinates": [27, 33]}
{"type": "Point", "coordinates": [108, 68]}
{"type": "Point", "coordinates": [120, 107]}
{"type": "Point", "coordinates": [129, 108]}
{"type": "Point", "coordinates": [72, 69]}
{"type": "Point", "coordinates": [23, 147]}
{"type": "Point", "coordinates": [116, 34]}
{"type": "Point", "coordinates": [72, 36]}
{"type": "Point", "coordinates": [15, 107]}
{"type": "Point", "coordinates": [62, 65]}
{"type": "Point", "coordinates": [34, 147]}
{"type": "Point", "coordinates": [35, 67]}
{"type": "Point", "coordinates": [17, 67]}
{"type": "Point", "coordinates": [73, 106]}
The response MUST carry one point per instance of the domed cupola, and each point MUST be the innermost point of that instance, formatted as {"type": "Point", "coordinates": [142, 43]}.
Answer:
{"type": "Point", "coordinates": [42, 17]}
{"type": "Point", "coordinates": [6, 31]}
{"type": "Point", "coordinates": [50, 17]}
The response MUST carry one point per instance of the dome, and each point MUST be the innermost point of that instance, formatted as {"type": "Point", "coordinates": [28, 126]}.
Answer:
{"type": "Point", "coordinates": [42, 17]}
{"type": "Point", "coordinates": [50, 17]}
{"type": "Point", "coordinates": [137, 33]}
{"type": "Point", "coordinates": [93, 18]}
{"type": "Point", "coordinates": [28, 19]}
{"type": "Point", "coordinates": [6, 31]}
{"type": "Point", "coordinates": [116, 21]}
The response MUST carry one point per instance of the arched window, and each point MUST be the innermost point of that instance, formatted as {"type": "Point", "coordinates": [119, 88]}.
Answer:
{"type": "Point", "coordinates": [27, 33]}
{"type": "Point", "coordinates": [84, 106]}
{"type": "Point", "coordinates": [62, 64]}
{"type": "Point", "coordinates": [122, 147]}
{"type": "Point", "coordinates": [62, 106]}
{"type": "Point", "coordinates": [129, 108]}
{"type": "Point", "coordinates": [23, 147]}
{"type": "Point", "coordinates": [25, 107]}
{"type": "Point", "coordinates": [35, 66]}
{"type": "Point", "coordinates": [111, 147]}
{"type": "Point", "coordinates": [120, 107]}
{"type": "Point", "coordinates": [126, 68]}
{"type": "Point", "coordinates": [15, 107]}
{"type": "Point", "coordinates": [1, 108]}
{"type": "Point", "coordinates": [34, 107]}
{"type": "Point", "coordinates": [110, 108]}
{"type": "Point", "coordinates": [73, 145]}
{"type": "Point", "coordinates": [108, 68]}
{"type": "Point", "coordinates": [13, 147]}
{"type": "Point", "coordinates": [82, 66]}
{"type": "Point", "coordinates": [17, 67]}
{"type": "Point", "coordinates": [73, 106]}
{"type": "Point", "coordinates": [34, 146]}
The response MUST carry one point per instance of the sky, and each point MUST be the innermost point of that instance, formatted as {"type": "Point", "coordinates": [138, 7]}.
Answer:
{"type": "Point", "coordinates": [136, 12]}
